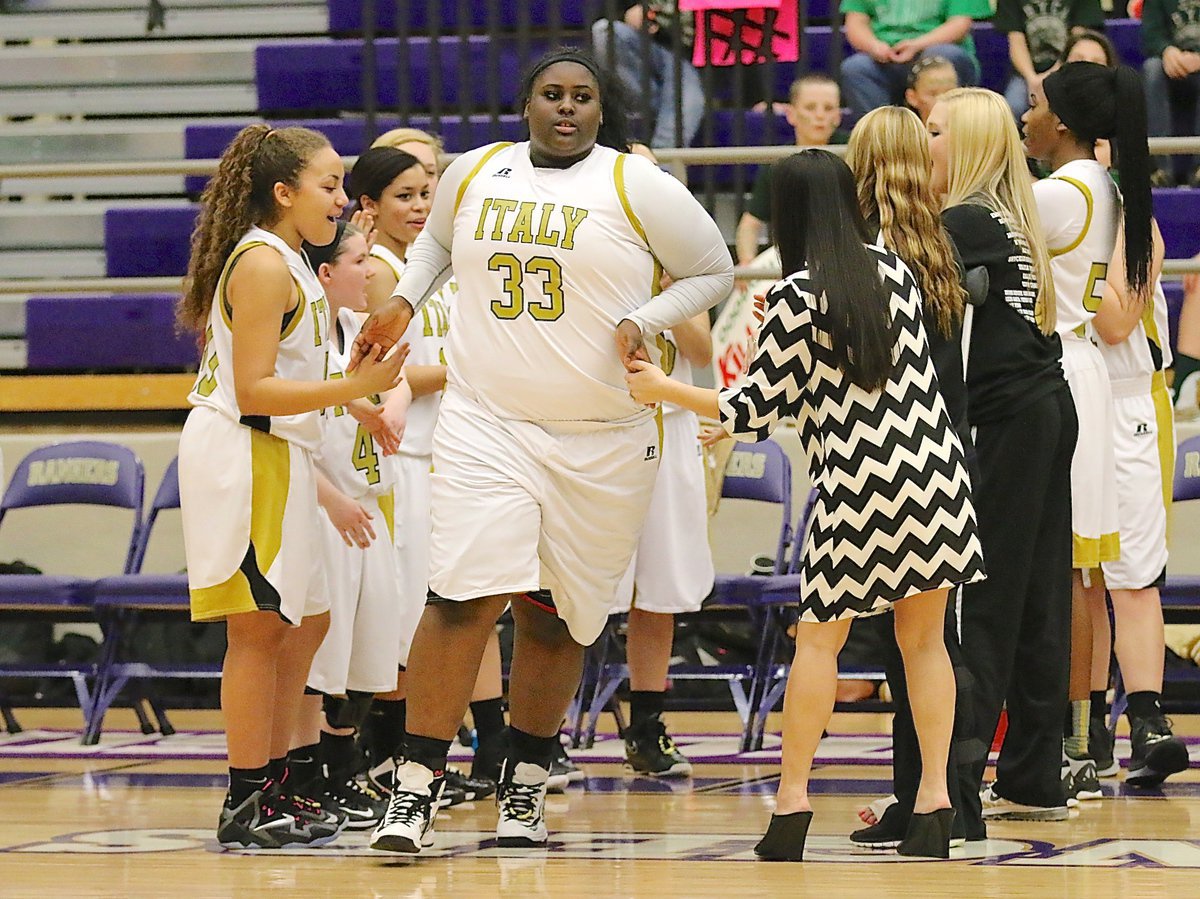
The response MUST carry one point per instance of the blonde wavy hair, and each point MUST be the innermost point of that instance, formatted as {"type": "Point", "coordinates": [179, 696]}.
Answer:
{"type": "Point", "coordinates": [889, 155]}
{"type": "Point", "coordinates": [239, 195]}
{"type": "Point", "coordinates": [986, 166]}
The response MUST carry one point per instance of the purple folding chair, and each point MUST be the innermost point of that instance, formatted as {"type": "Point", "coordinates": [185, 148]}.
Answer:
{"type": "Point", "coordinates": [759, 472]}
{"type": "Point", "coordinates": [90, 473]}
{"type": "Point", "coordinates": [121, 604]}
{"type": "Point", "coordinates": [1180, 594]}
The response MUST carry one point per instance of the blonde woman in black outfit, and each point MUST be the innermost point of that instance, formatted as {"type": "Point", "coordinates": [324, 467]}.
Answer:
{"type": "Point", "coordinates": [1016, 625]}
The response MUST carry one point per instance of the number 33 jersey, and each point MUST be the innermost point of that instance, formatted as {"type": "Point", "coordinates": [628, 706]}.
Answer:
{"type": "Point", "coordinates": [548, 261]}
{"type": "Point", "coordinates": [348, 455]}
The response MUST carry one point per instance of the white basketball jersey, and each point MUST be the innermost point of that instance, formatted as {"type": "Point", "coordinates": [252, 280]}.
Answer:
{"type": "Point", "coordinates": [426, 337]}
{"type": "Point", "coordinates": [302, 354]}
{"type": "Point", "coordinates": [388, 258]}
{"type": "Point", "coordinates": [548, 261]}
{"type": "Point", "coordinates": [1147, 349]}
{"type": "Point", "coordinates": [1081, 237]}
{"type": "Point", "coordinates": [348, 455]}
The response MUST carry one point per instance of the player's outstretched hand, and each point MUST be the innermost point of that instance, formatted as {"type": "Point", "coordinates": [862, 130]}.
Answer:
{"type": "Point", "coordinates": [375, 420]}
{"type": "Point", "coordinates": [351, 520]}
{"type": "Point", "coordinates": [647, 383]}
{"type": "Point", "coordinates": [384, 328]}
{"type": "Point", "coordinates": [379, 371]}
{"type": "Point", "coordinates": [630, 344]}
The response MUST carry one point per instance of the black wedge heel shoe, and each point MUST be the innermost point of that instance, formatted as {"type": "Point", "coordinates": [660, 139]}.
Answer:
{"type": "Point", "coordinates": [784, 839]}
{"type": "Point", "coordinates": [928, 834]}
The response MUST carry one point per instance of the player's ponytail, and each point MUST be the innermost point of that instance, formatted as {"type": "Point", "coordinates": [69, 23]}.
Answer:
{"type": "Point", "coordinates": [1094, 102]}
{"type": "Point", "coordinates": [239, 195]}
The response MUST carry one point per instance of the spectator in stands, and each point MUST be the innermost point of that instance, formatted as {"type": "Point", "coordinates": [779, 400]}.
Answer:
{"type": "Point", "coordinates": [1088, 45]}
{"type": "Point", "coordinates": [931, 77]}
{"type": "Point", "coordinates": [1171, 43]}
{"type": "Point", "coordinates": [814, 110]}
{"type": "Point", "coordinates": [1037, 39]}
{"type": "Point", "coordinates": [619, 43]}
{"type": "Point", "coordinates": [891, 37]}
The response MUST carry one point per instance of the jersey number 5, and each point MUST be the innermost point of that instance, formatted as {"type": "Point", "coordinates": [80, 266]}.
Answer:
{"type": "Point", "coordinates": [1098, 272]}
{"type": "Point", "coordinates": [546, 308]}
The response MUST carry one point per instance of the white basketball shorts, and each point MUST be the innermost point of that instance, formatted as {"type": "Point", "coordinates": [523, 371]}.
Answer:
{"type": "Point", "coordinates": [519, 506]}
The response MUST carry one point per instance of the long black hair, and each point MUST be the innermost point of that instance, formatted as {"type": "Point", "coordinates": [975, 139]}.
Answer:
{"type": "Point", "coordinates": [818, 226]}
{"type": "Point", "coordinates": [614, 119]}
{"type": "Point", "coordinates": [1094, 102]}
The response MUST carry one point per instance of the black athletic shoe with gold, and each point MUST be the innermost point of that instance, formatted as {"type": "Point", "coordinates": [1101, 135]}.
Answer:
{"type": "Point", "coordinates": [650, 750]}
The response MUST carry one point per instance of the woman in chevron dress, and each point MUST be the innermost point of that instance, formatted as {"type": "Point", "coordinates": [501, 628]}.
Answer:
{"type": "Point", "coordinates": [844, 351]}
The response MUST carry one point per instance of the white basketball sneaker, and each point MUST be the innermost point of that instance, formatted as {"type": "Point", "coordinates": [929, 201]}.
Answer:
{"type": "Point", "coordinates": [521, 795]}
{"type": "Point", "coordinates": [407, 826]}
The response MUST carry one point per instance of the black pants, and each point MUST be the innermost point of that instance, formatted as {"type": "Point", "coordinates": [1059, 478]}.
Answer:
{"type": "Point", "coordinates": [1016, 625]}
{"type": "Point", "coordinates": [906, 749]}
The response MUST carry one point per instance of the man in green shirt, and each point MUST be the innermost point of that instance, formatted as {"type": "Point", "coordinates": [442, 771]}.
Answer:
{"type": "Point", "coordinates": [1171, 43]}
{"type": "Point", "coordinates": [890, 35]}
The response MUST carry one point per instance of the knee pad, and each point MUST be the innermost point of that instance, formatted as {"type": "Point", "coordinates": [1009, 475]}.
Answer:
{"type": "Point", "coordinates": [348, 712]}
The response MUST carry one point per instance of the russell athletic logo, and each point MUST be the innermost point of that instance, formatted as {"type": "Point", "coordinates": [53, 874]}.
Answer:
{"type": "Point", "coordinates": [503, 173]}
{"type": "Point", "coordinates": [651, 453]}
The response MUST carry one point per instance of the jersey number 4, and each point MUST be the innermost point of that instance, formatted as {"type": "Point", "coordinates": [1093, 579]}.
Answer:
{"type": "Point", "coordinates": [366, 459]}
{"type": "Point", "coordinates": [545, 308]}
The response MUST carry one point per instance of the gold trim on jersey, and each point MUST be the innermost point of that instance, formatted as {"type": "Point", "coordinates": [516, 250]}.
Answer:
{"type": "Point", "coordinates": [287, 325]}
{"type": "Point", "coordinates": [1164, 419]}
{"type": "Point", "coordinates": [1151, 325]}
{"type": "Point", "coordinates": [1089, 552]}
{"type": "Point", "coordinates": [387, 508]}
{"type": "Point", "coordinates": [291, 324]}
{"type": "Point", "coordinates": [462, 188]}
{"type": "Point", "coordinates": [395, 271]}
{"type": "Point", "coordinates": [635, 222]}
{"type": "Point", "coordinates": [658, 421]}
{"type": "Point", "coordinates": [270, 473]}
{"type": "Point", "coordinates": [1087, 222]}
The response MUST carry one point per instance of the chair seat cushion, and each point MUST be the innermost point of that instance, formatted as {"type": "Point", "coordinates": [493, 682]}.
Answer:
{"type": "Point", "coordinates": [150, 591]}
{"type": "Point", "coordinates": [43, 591]}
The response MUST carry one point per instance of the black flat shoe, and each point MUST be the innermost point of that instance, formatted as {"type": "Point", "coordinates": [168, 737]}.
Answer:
{"type": "Point", "coordinates": [784, 839]}
{"type": "Point", "coordinates": [928, 834]}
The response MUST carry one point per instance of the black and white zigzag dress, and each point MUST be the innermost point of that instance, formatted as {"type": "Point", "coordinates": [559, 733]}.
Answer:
{"type": "Point", "coordinates": [893, 515]}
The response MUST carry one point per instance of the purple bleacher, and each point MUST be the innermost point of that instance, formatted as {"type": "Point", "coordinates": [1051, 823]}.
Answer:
{"type": "Point", "coordinates": [326, 74]}
{"type": "Point", "coordinates": [348, 136]}
{"type": "Point", "coordinates": [147, 241]}
{"type": "Point", "coordinates": [1176, 210]}
{"type": "Point", "coordinates": [106, 333]}
{"type": "Point", "coordinates": [345, 16]}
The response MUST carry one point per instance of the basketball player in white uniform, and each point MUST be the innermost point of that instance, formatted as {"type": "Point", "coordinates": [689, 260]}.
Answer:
{"type": "Point", "coordinates": [543, 463]}
{"type": "Point", "coordinates": [672, 571]}
{"type": "Point", "coordinates": [1081, 211]}
{"type": "Point", "coordinates": [245, 456]}
{"type": "Point", "coordinates": [1133, 338]}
